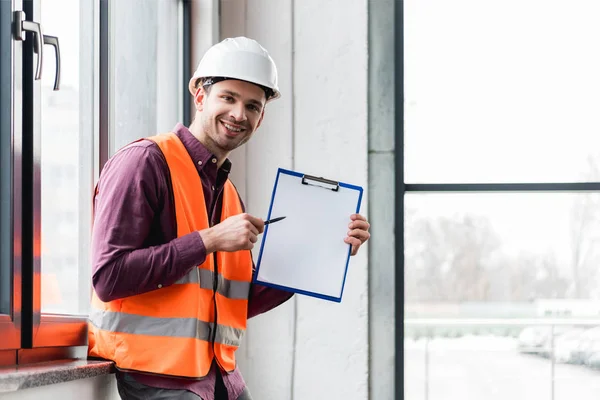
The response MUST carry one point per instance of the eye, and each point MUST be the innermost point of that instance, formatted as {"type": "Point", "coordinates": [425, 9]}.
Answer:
{"type": "Point", "coordinates": [227, 98]}
{"type": "Point", "coordinates": [254, 108]}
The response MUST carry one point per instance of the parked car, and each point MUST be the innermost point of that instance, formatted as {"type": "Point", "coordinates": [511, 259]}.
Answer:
{"type": "Point", "coordinates": [531, 340]}
{"type": "Point", "coordinates": [537, 339]}
{"type": "Point", "coordinates": [588, 345]}
{"type": "Point", "coordinates": [565, 345]}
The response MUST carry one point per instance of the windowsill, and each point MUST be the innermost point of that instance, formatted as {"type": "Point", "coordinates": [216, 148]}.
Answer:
{"type": "Point", "coordinates": [52, 372]}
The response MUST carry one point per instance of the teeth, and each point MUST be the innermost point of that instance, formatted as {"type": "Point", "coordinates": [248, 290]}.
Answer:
{"type": "Point", "coordinates": [231, 128]}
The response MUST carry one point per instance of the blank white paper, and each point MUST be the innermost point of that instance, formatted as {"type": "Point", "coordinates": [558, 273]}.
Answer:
{"type": "Point", "coordinates": [306, 250]}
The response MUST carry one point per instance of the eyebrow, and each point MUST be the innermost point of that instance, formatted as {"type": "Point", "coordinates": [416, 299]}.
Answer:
{"type": "Point", "coordinates": [237, 96]}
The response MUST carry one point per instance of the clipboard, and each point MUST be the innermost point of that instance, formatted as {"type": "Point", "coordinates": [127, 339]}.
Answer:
{"type": "Point", "coordinates": [305, 253]}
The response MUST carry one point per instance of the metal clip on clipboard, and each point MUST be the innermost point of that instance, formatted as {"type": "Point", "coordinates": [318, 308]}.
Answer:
{"type": "Point", "coordinates": [321, 182]}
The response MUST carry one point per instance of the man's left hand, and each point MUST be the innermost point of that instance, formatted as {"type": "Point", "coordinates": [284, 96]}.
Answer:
{"type": "Point", "coordinates": [358, 232]}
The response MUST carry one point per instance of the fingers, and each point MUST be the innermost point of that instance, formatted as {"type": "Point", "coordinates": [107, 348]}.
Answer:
{"type": "Point", "coordinates": [239, 232]}
{"type": "Point", "coordinates": [360, 234]}
{"type": "Point", "coordinates": [251, 228]}
{"type": "Point", "coordinates": [253, 238]}
{"type": "Point", "coordinates": [353, 241]}
{"type": "Point", "coordinates": [252, 224]}
{"type": "Point", "coordinates": [363, 225]}
{"type": "Point", "coordinates": [359, 228]}
{"type": "Point", "coordinates": [355, 244]}
{"type": "Point", "coordinates": [357, 217]}
{"type": "Point", "coordinates": [258, 223]}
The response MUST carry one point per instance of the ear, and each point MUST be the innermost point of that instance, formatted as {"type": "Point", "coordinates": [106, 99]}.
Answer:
{"type": "Point", "coordinates": [199, 98]}
{"type": "Point", "coordinates": [262, 115]}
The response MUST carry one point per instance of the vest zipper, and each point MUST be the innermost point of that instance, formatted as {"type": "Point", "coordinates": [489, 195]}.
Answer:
{"type": "Point", "coordinates": [214, 335]}
{"type": "Point", "coordinates": [215, 286]}
{"type": "Point", "coordinates": [215, 283]}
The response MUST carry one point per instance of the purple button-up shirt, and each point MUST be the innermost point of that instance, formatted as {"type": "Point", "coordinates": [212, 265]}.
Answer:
{"type": "Point", "coordinates": [135, 248]}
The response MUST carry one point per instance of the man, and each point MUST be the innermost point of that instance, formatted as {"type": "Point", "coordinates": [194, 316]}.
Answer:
{"type": "Point", "coordinates": [172, 267]}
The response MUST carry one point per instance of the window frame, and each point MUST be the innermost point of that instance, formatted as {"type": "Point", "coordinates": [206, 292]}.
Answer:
{"type": "Point", "coordinates": [29, 335]}
{"type": "Point", "coordinates": [61, 330]}
{"type": "Point", "coordinates": [399, 190]}
{"type": "Point", "coordinates": [37, 329]}
{"type": "Point", "coordinates": [402, 188]}
{"type": "Point", "coordinates": [10, 320]}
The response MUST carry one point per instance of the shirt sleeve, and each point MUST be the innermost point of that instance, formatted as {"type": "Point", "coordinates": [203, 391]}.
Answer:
{"type": "Point", "coordinates": [264, 298]}
{"type": "Point", "coordinates": [130, 194]}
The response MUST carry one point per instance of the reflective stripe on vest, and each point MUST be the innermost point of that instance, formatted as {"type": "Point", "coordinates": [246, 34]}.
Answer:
{"type": "Point", "coordinates": [179, 329]}
{"type": "Point", "coordinates": [231, 289]}
{"type": "Point", "coordinates": [169, 327]}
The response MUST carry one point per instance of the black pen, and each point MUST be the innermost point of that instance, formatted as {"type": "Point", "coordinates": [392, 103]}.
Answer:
{"type": "Point", "coordinates": [273, 220]}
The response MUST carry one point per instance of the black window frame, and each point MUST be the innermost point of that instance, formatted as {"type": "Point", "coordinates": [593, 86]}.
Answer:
{"type": "Point", "coordinates": [10, 267]}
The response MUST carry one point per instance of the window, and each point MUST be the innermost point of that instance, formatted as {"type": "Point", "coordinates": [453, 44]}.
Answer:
{"type": "Point", "coordinates": [500, 93]}
{"type": "Point", "coordinates": [67, 158]}
{"type": "Point", "coordinates": [504, 251]}
{"type": "Point", "coordinates": [500, 194]}
{"type": "Point", "coordinates": [10, 234]}
{"type": "Point", "coordinates": [149, 99]}
{"type": "Point", "coordinates": [53, 144]}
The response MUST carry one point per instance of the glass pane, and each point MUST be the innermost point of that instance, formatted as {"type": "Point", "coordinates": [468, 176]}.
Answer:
{"type": "Point", "coordinates": [146, 71]}
{"type": "Point", "coordinates": [473, 363]}
{"type": "Point", "coordinates": [461, 361]}
{"type": "Point", "coordinates": [67, 157]}
{"type": "Point", "coordinates": [501, 92]}
{"type": "Point", "coordinates": [577, 356]}
{"type": "Point", "coordinates": [500, 255]}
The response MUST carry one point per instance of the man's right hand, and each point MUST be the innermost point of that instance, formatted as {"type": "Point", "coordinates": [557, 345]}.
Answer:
{"type": "Point", "coordinates": [239, 232]}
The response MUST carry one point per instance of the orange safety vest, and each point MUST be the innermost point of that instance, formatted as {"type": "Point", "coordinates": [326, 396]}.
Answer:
{"type": "Point", "coordinates": [179, 329]}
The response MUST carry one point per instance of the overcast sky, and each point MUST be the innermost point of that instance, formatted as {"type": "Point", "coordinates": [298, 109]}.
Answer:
{"type": "Point", "coordinates": [502, 91]}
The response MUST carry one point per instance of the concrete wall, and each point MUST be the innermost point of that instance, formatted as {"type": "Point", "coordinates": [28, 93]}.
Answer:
{"type": "Point", "coordinates": [308, 349]}
{"type": "Point", "coordinates": [98, 388]}
{"type": "Point", "coordinates": [382, 203]}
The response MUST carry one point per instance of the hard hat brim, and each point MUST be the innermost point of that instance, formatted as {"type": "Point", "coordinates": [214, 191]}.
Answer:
{"type": "Point", "coordinates": [192, 87]}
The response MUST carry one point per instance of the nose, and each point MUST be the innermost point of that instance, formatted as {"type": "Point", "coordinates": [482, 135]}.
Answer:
{"type": "Point", "coordinates": [238, 112]}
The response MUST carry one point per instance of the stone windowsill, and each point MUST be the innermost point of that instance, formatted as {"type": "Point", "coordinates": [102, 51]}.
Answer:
{"type": "Point", "coordinates": [48, 373]}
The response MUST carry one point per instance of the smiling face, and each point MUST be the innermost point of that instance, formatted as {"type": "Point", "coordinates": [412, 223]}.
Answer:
{"type": "Point", "coordinates": [228, 113]}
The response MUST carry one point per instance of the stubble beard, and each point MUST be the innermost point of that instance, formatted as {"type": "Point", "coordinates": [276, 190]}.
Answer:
{"type": "Point", "coordinates": [217, 144]}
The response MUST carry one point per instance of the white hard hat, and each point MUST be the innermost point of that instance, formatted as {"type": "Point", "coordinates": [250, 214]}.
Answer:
{"type": "Point", "coordinates": [238, 58]}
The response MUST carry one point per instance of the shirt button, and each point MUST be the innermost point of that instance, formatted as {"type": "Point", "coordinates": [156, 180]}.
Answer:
{"type": "Point", "coordinates": [159, 285]}
{"type": "Point", "coordinates": [214, 160]}
{"type": "Point", "coordinates": [213, 188]}
{"type": "Point", "coordinates": [200, 162]}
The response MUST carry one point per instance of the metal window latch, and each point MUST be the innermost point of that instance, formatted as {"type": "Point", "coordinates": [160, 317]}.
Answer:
{"type": "Point", "coordinates": [53, 41]}
{"type": "Point", "coordinates": [20, 26]}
